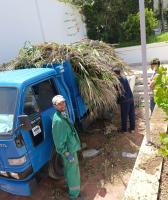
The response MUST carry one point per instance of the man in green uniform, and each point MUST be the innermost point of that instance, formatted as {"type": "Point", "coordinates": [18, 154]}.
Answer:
{"type": "Point", "coordinates": [67, 144]}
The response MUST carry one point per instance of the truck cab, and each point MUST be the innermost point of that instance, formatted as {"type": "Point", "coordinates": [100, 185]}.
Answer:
{"type": "Point", "coordinates": [29, 92]}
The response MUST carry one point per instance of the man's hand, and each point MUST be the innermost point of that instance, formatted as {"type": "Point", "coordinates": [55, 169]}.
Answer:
{"type": "Point", "coordinates": [69, 157]}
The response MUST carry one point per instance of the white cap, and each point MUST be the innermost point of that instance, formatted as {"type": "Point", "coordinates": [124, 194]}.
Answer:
{"type": "Point", "coordinates": [57, 99]}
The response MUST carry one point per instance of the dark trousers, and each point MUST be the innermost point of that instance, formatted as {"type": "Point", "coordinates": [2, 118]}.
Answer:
{"type": "Point", "coordinates": [127, 111]}
{"type": "Point", "coordinates": [152, 103]}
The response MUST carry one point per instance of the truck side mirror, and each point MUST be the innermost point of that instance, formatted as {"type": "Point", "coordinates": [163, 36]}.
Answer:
{"type": "Point", "coordinates": [25, 122]}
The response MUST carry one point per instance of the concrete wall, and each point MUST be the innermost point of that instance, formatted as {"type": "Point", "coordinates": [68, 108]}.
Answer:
{"type": "Point", "coordinates": [132, 55]}
{"type": "Point", "coordinates": [37, 21]}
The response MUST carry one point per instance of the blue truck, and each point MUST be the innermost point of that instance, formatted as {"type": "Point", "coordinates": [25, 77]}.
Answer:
{"type": "Point", "coordinates": [26, 111]}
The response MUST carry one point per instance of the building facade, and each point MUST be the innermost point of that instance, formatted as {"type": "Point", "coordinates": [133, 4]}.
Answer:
{"type": "Point", "coordinates": [37, 21]}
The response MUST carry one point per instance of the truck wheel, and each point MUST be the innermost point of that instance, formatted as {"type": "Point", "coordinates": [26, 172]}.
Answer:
{"type": "Point", "coordinates": [55, 168]}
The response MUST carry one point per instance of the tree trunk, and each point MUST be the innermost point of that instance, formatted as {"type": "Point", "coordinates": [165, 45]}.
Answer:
{"type": "Point", "coordinates": [161, 15]}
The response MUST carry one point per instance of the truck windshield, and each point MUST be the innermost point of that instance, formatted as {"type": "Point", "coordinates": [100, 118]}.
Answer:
{"type": "Point", "coordinates": [7, 109]}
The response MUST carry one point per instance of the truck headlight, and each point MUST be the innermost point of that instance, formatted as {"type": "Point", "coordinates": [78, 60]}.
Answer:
{"type": "Point", "coordinates": [17, 161]}
{"type": "Point", "coordinates": [3, 173]}
{"type": "Point", "coordinates": [14, 175]}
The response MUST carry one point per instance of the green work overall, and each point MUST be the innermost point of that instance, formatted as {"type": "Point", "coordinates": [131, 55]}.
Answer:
{"type": "Point", "coordinates": [66, 140]}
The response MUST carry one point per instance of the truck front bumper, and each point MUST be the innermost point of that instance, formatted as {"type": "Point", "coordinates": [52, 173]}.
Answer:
{"type": "Point", "coordinates": [22, 188]}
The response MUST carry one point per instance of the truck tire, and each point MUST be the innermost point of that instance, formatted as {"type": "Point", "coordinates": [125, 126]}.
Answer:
{"type": "Point", "coordinates": [55, 168]}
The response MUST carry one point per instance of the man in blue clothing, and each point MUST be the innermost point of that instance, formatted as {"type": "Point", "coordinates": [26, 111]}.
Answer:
{"type": "Point", "coordinates": [126, 102]}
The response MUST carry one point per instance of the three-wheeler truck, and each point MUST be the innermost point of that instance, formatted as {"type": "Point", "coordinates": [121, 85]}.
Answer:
{"type": "Point", "coordinates": [26, 112]}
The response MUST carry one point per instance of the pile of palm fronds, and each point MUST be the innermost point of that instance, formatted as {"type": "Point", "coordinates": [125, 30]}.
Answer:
{"type": "Point", "coordinates": [92, 62]}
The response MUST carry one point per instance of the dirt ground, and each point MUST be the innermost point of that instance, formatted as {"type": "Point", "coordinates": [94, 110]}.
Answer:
{"type": "Point", "coordinates": [163, 190]}
{"type": "Point", "coordinates": [105, 176]}
{"type": "Point", "coordinates": [163, 187]}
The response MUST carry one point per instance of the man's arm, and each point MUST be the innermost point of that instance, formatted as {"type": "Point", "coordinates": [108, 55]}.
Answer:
{"type": "Point", "coordinates": [151, 84]}
{"type": "Point", "coordinates": [60, 137]}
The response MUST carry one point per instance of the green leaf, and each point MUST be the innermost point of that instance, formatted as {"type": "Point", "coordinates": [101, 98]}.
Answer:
{"type": "Point", "coordinates": [162, 136]}
{"type": "Point", "coordinates": [163, 151]}
{"type": "Point", "coordinates": [165, 140]}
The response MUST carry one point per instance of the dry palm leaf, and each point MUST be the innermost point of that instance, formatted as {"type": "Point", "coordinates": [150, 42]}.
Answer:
{"type": "Point", "coordinates": [92, 62]}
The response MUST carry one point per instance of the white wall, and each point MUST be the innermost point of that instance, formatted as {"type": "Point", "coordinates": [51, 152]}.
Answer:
{"type": "Point", "coordinates": [37, 21]}
{"type": "Point", "coordinates": [132, 55]}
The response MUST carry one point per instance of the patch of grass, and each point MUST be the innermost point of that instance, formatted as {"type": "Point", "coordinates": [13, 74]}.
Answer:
{"type": "Point", "coordinates": [127, 44]}
{"type": "Point", "coordinates": [163, 37]}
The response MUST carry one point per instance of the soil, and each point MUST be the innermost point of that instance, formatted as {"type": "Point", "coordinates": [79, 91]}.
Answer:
{"type": "Point", "coordinates": [163, 187]}
{"type": "Point", "coordinates": [163, 191]}
{"type": "Point", "coordinates": [150, 164]}
{"type": "Point", "coordinates": [105, 176]}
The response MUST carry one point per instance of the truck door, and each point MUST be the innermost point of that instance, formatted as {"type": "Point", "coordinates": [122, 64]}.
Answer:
{"type": "Point", "coordinates": [38, 106]}
{"type": "Point", "coordinates": [32, 110]}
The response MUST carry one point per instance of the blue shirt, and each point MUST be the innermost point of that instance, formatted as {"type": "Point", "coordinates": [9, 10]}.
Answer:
{"type": "Point", "coordinates": [126, 95]}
